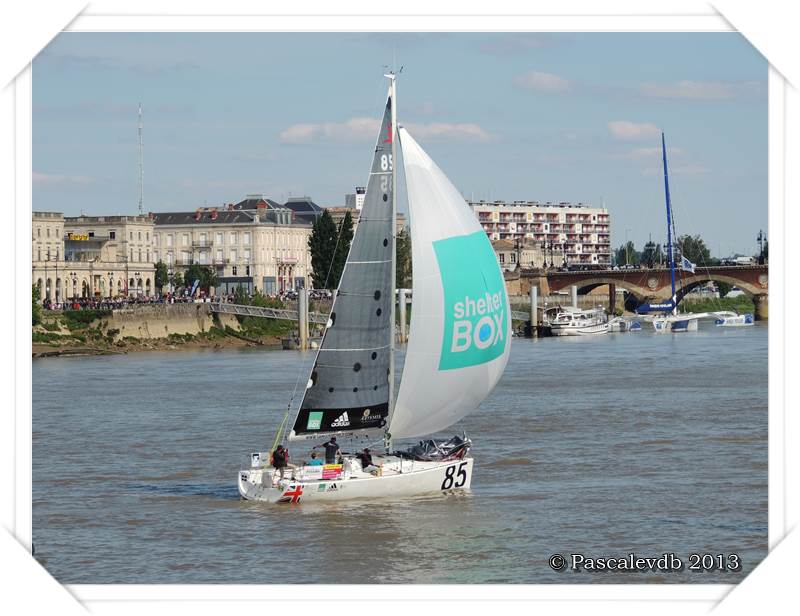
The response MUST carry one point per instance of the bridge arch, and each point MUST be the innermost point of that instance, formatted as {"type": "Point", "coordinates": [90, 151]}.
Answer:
{"type": "Point", "coordinates": [689, 283]}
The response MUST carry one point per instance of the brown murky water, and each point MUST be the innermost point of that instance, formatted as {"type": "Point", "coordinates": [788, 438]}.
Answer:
{"type": "Point", "coordinates": [604, 446]}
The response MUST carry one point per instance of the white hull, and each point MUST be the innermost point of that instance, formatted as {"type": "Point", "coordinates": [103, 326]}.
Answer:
{"type": "Point", "coordinates": [582, 330]}
{"type": "Point", "coordinates": [675, 324]}
{"type": "Point", "coordinates": [727, 319]}
{"type": "Point", "coordinates": [398, 478]}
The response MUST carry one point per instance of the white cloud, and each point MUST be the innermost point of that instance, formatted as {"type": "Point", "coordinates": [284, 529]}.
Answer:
{"type": "Point", "coordinates": [696, 90]}
{"type": "Point", "coordinates": [50, 179]}
{"type": "Point", "coordinates": [442, 130]}
{"type": "Point", "coordinates": [631, 131]}
{"type": "Point", "coordinates": [654, 152]}
{"type": "Point", "coordinates": [366, 130]}
{"type": "Point", "coordinates": [354, 129]}
{"type": "Point", "coordinates": [542, 82]}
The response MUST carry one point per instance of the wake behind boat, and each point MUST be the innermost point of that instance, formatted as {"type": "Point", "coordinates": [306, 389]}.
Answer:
{"type": "Point", "coordinates": [457, 350]}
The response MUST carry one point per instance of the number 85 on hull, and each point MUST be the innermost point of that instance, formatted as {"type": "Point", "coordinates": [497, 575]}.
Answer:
{"type": "Point", "coordinates": [399, 478]}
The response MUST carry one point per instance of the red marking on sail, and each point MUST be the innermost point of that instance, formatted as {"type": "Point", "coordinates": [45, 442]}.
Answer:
{"type": "Point", "coordinates": [388, 133]}
{"type": "Point", "coordinates": [292, 495]}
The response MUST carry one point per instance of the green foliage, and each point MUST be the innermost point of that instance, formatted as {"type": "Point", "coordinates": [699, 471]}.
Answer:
{"type": "Point", "coordinates": [626, 254]}
{"type": "Point", "coordinates": [176, 280]}
{"type": "Point", "coordinates": [345, 233]}
{"type": "Point", "coordinates": [652, 254]}
{"type": "Point", "coordinates": [403, 271]}
{"type": "Point", "coordinates": [694, 249]}
{"type": "Point", "coordinates": [329, 246]}
{"type": "Point", "coordinates": [162, 275]}
{"type": "Point", "coordinates": [206, 276]}
{"type": "Point", "coordinates": [52, 326]}
{"type": "Point", "coordinates": [47, 337]}
{"type": "Point", "coordinates": [723, 287]}
{"type": "Point", "coordinates": [36, 307]}
{"type": "Point", "coordinates": [742, 303]}
{"type": "Point", "coordinates": [85, 316]}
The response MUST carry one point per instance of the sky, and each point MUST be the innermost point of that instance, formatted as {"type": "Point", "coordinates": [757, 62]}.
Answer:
{"type": "Point", "coordinates": [511, 116]}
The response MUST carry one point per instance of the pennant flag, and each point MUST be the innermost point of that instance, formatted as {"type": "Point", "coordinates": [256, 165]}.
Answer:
{"type": "Point", "coordinates": [687, 265]}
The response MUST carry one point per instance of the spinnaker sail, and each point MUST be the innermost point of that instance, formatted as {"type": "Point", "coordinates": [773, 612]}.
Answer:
{"type": "Point", "coordinates": [460, 323]}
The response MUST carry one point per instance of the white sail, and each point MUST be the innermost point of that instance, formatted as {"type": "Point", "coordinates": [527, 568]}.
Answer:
{"type": "Point", "coordinates": [460, 321]}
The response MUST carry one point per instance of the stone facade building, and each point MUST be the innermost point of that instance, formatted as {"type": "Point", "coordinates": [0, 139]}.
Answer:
{"type": "Point", "coordinates": [258, 245]}
{"type": "Point", "coordinates": [91, 256]}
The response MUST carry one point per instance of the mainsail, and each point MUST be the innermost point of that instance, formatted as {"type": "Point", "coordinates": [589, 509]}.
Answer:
{"type": "Point", "coordinates": [460, 322]}
{"type": "Point", "coordinates": [348, 390]}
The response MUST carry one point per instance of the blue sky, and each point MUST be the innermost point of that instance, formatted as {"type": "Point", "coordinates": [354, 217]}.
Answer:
{"type": "Point", "coordinates": [548, 117]}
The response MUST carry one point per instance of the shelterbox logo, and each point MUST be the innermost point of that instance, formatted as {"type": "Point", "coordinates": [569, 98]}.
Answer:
{"type": "Point", "coordinates": [475, 305]}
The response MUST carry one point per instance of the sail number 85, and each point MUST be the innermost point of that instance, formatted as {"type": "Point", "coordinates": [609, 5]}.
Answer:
{"type": "Point", "coordinates": [453, 479]}
{"type": "Point", "coordinates": [386, 162]}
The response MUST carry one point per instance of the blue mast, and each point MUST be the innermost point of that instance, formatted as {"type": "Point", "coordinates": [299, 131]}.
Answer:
{"type": "Point", "coordinates": [670, 254]}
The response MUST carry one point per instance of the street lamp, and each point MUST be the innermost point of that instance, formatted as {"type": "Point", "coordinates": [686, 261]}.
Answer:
{"type": "Point", "coordinates": [137, 283]}
{"type": "Point", "coordinates": [74, 277]}
{"type": "Point", "coordinates": [110, 284]}
{"type": "Point", "coordinates": [627, 257]}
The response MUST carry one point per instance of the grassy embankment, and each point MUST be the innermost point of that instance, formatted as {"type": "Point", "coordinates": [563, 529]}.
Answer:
{"type": "Point", "coordinates": [738, 304]}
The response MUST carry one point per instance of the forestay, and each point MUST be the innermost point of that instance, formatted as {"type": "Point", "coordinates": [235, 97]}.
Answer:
{"type": "Point", "coordinates": [348, 390]}
{"type": "Point", "coordinates": [460, 323]}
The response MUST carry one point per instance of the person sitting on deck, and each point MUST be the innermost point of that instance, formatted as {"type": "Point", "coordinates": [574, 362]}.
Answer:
{"type": "Point", "coordinates": [366, 462]}
{"type": "Point", "coordinates": [315, 461]}
{"type": "Point", "coordinates": [331, 449]}
{"type": "Point", "coordinates": [280, 461]}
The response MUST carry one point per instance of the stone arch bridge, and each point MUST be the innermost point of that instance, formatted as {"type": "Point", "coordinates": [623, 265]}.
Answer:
{"type": "Point", "coordinates": [653, 285]}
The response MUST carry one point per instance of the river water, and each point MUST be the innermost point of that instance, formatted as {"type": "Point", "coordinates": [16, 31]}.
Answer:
{"type": "Point", "coordinates": [603, 446]}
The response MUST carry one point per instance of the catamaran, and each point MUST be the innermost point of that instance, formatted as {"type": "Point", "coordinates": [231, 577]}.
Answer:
{"type": "Point", "coordinates": [664, 316]}
{"type": "Point", "coordinates": [459, 343]}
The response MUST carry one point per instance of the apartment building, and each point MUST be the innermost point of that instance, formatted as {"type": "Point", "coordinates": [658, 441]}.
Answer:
{"type": "Point", "coordinates": [578, 230]}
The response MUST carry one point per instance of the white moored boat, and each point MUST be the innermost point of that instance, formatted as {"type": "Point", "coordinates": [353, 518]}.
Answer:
{"type": "Point", "coordinates": [569, 321]}
{"type": "Point", "coordinates": [457, 350]}
{"type": "Point", "coordinates": [728, 318]}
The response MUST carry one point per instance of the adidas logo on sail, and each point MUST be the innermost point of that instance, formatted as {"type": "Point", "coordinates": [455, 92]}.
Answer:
{"type": "Point", "coordinates": [341, 421]}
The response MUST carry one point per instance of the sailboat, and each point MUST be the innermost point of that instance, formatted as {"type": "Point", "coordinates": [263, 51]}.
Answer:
{"type": "Point", "coordinates": [458, 347]}
{"type": "Point", "coordinates": [664, 316]}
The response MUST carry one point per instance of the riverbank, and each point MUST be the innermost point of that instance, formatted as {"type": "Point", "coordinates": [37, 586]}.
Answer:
{"type": "Point", "coordinates": [166, 328]}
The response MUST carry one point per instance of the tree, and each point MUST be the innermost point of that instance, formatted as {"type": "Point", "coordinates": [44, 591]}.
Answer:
{"type": "Point", "coordinates": [36, 308]}
{"type": "Point", "coordinates": [652, 254]}
{"type": "Point", "coordinates": [342, 248]}
{"type": "Point", "coordinates": [176, 280]}
{"type": "Point", "coordinates": [626, 254]}
{"type": "Point", "coordinates": [693, 248]}
{"type": "Point", "coordinates": [203, 274]}
{"type": "Point", "coordinates": [322, 245]}
{"type": "Point", "coordinates": [403, 263]}
{"type": "Point", "coordinates": [162, 275]}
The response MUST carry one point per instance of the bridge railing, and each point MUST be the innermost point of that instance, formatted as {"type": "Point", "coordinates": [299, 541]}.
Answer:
{"type": "Point", "coordinates": [267, 313]}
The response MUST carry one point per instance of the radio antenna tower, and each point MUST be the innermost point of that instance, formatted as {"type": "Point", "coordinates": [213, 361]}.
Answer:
{"type": "Point", "coordinates": [141, 164]}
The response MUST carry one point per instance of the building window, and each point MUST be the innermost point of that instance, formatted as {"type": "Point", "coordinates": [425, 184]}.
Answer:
{"type": "Point", "coordinates": [130, 235]}
{"type": "Point", "coordinates": [246, 239]}
{"type": "Point", "coordinates": [140, 255]}
{"type": "Point", "coordinates": [246, 270]}
{"type": "Point", "coordinates": [233, 270]}
{"type": "Point", "coordinates": [219, 255]}
{"type": "Point", "coordinates": [131, 255]}
{"type": "Point", "coordinates": [185, 239]}
{"type": "Point", "coordinates": [39, 233]}
{"type": "Point", "coordinates": [220, 238]}
{"type": "Point", "coordinates": [247, 255]}
{"type": "Point", "coordinates": [233, 255]}
{"type": "Point", "coordinates": [112, 235]}
{"type": "Point", "coordinates": [147, 236]}
{"type": "Point", "coordinates": [140, 236]}
{"type": "Point", "coordinates": [148, 256]}
{"type": "Point", "coordinates": [169, 259]}
{"type": "Point", "coordinates": [233, 237]}
{"type": "Point", "coordinates": [155, 256]}
{"type": "Point", "coordinates": [502, 258]}
{"type": "Point", "coordinates": [40, 255]}
{"type": "Point", "coordinates": [48, 231]}
{"type": "Point", "coordinates": [169, 240]}
{"type": "Point", "coordinates": [203, 239]}
{"type": "Point", "coordinates": [513, 258]}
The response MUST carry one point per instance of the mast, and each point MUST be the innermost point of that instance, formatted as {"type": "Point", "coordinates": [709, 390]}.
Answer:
{"type": "Point", "coordinates": [670, 254]}
{"type": "Point", "coordinates": [141, 164]}
{"type": "Point", "coordinates": [393, 89]}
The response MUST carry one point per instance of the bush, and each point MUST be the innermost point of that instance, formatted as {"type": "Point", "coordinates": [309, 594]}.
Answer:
{"type": "Point", "coordinates": [85, 316]}
{"type": "Point", "coordinates": [46, 337]}
{"type": "Point", "coordinates": [51, 327]}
